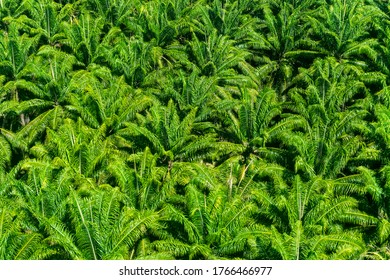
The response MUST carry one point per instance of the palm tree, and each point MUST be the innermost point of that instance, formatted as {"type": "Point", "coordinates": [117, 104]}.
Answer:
{"type": "Point", "coordinates": [214, 219]}
{"type": "Point", "coordinates": [280, 43]}
{"type": "Point", "coordinates": [45, 93]}
{"type": "Point", "coordinates": [15, 53]}
{"type": "Point", "coordinates": [334, 107]}
{"type": "Point", "coordinates": [171, 136]}
{"type": "Point", "coordinates": [82, 37]}
{"type": "Point", "coordinates": [306, 218]}
{"type": "Point", "coordinates": [255, 123]}
{"type": "Point", "coordinates": [345, 25]}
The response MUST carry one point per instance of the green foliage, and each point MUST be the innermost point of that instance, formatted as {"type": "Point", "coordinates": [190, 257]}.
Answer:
{"type": "Point", "coordinates": [178, 129]}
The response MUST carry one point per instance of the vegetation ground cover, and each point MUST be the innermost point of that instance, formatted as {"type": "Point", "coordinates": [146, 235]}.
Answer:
{"type": "Point", "coordinates": [194, 129]}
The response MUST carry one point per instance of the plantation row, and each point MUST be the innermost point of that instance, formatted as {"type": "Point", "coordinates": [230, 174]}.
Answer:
{"type": "Point", "coordinates": [183, 129]}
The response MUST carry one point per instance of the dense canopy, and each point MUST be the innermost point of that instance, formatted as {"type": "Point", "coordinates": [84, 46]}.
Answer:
{"type": "Point", "coordinates": [194, 129]}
